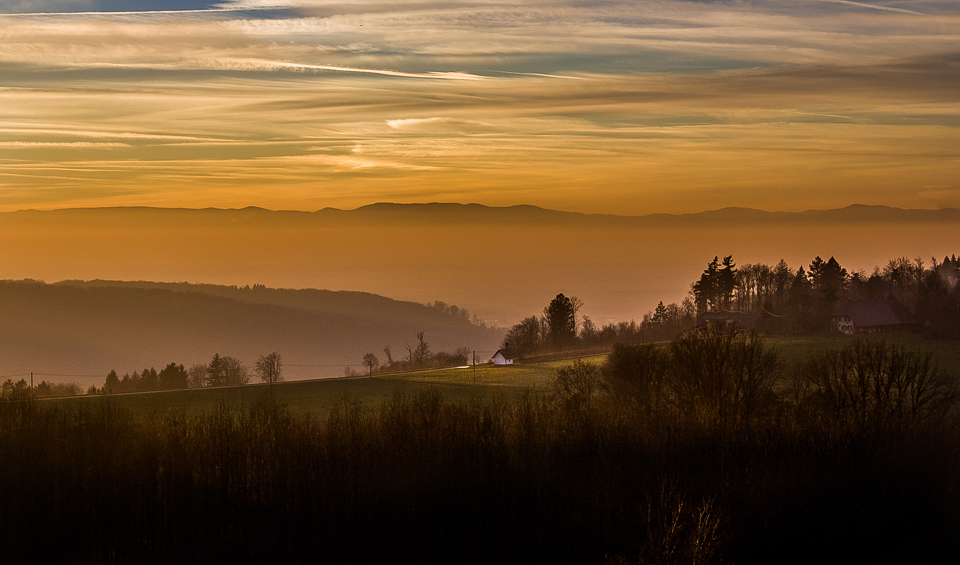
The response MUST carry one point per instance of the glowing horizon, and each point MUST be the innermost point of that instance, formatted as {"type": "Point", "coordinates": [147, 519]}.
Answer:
{"type": "Point", "coordinates": [668, 107]}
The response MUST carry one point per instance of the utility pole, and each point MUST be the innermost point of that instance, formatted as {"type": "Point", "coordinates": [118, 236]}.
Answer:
{"type": "Point", "coordinates": [31, 384]}
{"type": "Point", "coordinates": [474, 367]}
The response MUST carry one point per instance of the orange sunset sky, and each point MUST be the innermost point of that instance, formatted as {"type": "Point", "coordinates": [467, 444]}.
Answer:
{"type": "Point", "coordinates": [609, 107]}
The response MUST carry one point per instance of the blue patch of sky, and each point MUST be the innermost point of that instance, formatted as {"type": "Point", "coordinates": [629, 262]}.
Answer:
{"type": "Point", "coordinates": [139, 6]}
{"type": "Point", "coordinates": [127, 6]}
{"type": "Point", "coordinates": [74, 6]}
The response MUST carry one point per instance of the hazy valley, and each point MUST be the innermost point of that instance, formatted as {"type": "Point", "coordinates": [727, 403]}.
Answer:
{"type": "Point", "coordinates": [502, 264]}
{"type": "Point", "coordinates": [66, 331]}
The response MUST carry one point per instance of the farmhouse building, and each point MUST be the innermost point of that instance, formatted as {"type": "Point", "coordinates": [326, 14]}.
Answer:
{"type": "Point", "coordinates": [503, 357]}
{"type": "Point", "coordinates": [873, 316]}
{"type": "Point", "coordinates": [739, 320]}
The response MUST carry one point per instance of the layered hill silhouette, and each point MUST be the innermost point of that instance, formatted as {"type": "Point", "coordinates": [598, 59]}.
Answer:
{"type": "Point", "coordinates": [502, 264]}
{"type": "Point", "coordinates": [71, 329]}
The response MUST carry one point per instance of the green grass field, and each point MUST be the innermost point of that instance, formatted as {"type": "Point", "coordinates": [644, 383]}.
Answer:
{"type": "Point", "coordinates": [456, 385]}
{"type": "Point", "coordinates": [522, 375]}
{"type": "Point", "coordinates": [220, 474]}
{"type": "Point", "coordinates": [318, 396]}
{"type": "Point", "coordinates": [794, 349]}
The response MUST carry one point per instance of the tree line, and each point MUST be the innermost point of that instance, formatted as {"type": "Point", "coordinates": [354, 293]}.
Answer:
{"type": "Point", "coordinates": [803, 301]}
{"type": "Point", "coordinates": [418, 356]}
{"type": "Point", "coordinates": [560, 328]}
{"type": "Point", "coordinates": [728, 377]}
{"type": "Point", "coordinates": [707, 449]}
{"type": "Point", "coordinates": [20, 390]}
{"type": "Point", "coordinates": [221, 371]}
{"type": "Point", "coordinates": [789, 301]}
{"type": "Point", "coordinates": [455, 311]}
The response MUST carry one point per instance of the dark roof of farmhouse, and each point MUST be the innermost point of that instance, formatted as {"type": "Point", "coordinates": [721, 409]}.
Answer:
{"type": "Point", "coordinates": [742, 319]}
{"type": "Point", "coordinates": [507, 354]}
{"type": "Point", "coordinates": [872, 313]}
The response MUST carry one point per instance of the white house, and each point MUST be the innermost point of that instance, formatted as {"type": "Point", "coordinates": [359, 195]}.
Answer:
{"type": "Point", "coordinates": [503, 357]}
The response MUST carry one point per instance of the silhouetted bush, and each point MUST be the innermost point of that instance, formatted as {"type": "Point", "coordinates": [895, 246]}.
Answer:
{"type": "Point", "coordinates": [49, 390]}
{"type": "Point", "coordinates": [580, 477]}
{"type": "Point", "coordinates": [871, 384]}
{"type": "Point", "coordinates": [715, 373]}
{"type": "Point", "coordinates": [577, 385]}
{"type": "Point", "coordinates": [723, 374]}
{"type": "Point", "coordinates": [638, 374]}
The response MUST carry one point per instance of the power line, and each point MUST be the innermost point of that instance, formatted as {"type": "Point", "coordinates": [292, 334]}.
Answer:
{"type": "Point", "coordinates": [772, 314]}
{"type": "Point", "coordinates": [334, 365]}
{"type": "Point", "coordinates": [99, 376]}
{"type": "Point", "coordinates": [75, 376]}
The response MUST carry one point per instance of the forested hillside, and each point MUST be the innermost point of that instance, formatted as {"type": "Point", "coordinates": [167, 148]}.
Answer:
{"type": "Point", "coordinates": [777, 300]}
{"type": "Point", "coordinates": [67, 330]}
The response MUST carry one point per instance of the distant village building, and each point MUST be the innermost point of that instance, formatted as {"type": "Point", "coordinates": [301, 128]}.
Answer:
{"type": "Point", "coordinates": [739, 320]}
{"type": "Point", "coordinates": [503, 356]}
{"type": "Point", "coordinates": [873, 316]}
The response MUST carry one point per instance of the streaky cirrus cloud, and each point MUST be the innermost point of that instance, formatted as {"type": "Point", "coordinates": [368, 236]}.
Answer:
{"type": "Point", "coordinates": [608, 107]}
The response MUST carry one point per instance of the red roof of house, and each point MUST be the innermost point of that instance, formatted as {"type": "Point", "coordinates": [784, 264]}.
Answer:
{"type": "Point", "coordinates": [874, 313]}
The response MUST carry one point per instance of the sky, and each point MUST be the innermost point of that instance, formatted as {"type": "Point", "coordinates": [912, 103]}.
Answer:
{"type": "Point", "coordinates": [602, 107]}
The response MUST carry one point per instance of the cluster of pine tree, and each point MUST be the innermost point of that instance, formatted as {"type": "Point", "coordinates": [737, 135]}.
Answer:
{"type": "Point", "coordinates": [172, 377]}
{"type": "Point", "coordinates": [804, 300]}
{"type": "Point", "coordinates": [786, 301]}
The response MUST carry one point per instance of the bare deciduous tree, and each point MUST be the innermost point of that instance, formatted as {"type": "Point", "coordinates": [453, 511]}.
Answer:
{"type": "Point", "coordinates": [196, 375]}
{"type": "Point", "coordinates": [235, 372]}
{"type": "Point", "coordinates": [419, 355]}
{"type": "Point", "coordinates": [422, 352]}
{"type": "Point", "coordinates": [269, 367]}
{"type": "Point", "coordinates": [577, 384]}
{"type": "Point", "coordinates": [371, 362]}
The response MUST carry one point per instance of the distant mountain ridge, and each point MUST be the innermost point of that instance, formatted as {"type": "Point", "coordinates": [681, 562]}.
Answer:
{"type": "Point", "coordinates": [445, 211]}
{"type": "Point", "coordinates": [502, 263]}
